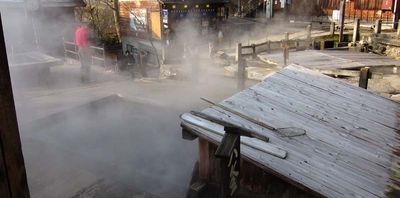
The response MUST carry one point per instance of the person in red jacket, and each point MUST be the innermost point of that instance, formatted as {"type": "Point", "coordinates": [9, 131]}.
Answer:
{"type": "Point", "coordinates": [82, 41]}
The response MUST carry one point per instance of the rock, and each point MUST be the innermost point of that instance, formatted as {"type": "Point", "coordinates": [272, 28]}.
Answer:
{"type": "Point", "coordinates": [395, 97]}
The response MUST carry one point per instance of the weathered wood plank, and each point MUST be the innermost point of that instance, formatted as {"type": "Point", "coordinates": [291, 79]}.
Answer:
{"type": "Point", "coordinates": [204, 159]}
{"type": "Point", "coordinates": [251, 142]}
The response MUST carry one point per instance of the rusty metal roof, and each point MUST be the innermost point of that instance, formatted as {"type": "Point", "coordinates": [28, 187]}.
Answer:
{"type": "Point", "coordinates": [351, 134]}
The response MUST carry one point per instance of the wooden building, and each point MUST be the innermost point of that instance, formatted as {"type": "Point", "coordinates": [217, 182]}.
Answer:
{"type": "Point", "coordinates": [150, 25]}
{"type": "Point", "coordinates": [366, 10]}
{"type": "Point", "coordinates": [315, 136]}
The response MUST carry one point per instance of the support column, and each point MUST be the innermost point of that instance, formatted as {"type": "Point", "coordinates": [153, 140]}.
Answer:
{"type": "Point", "coordinates": [238, 54]}
{"type": "Point", "coordinates": [204, 159]}
{"type": "Point", "coordinates": [332, 28]}
{"type": "Point", "coordinates": [308, 29]}
{"type": "Point", "coordinates": [378, 26]}
{"type": "Point", "coordinates": [13, 182]}
{"type": "Point", "coordinates": [356, 30]}
{"type": "Point", "coordinates": [364, 74]}
{"type": "Point", "coordinates": [241, 74]}
{"type": "Point", "coordinates": [341, 20]}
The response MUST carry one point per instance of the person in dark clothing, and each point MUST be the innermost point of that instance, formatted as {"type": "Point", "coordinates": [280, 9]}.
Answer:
{"type": "Point", "coordinates": [82, 41]}
{"type": "Point", "coordinates": [143, 59]}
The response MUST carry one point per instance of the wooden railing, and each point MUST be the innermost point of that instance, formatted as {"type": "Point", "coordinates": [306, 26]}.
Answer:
{"type": "Point", "coordinates": [268, 46]}
{"type": "Point", "coordinates": [98, 53]}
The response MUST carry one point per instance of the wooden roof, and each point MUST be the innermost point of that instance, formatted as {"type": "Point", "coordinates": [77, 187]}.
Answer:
{"type": "Point", "coordinates": [350, 132]}
{"type": "Point", "coordinates": [331, 59]}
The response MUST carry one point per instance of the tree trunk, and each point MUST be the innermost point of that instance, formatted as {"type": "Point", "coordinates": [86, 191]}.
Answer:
{"type": "Point", "coordinates": [116, 19]}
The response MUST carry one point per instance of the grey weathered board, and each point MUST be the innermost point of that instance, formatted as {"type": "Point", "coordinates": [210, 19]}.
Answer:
{"type": "Point", "coordinates": [350, 133]}
{"type": "Point", "coordinates": [331, 59]}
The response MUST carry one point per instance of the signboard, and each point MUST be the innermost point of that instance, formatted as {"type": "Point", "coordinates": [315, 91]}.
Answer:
{"type": "Point", "coordinates": [138, 19]}
{"type": "Point", "coordinates": [165, 15]}
{"type": "Point", "coordinates": [387, 4]}
{"type": "Point", "coordinates": [233, 167]}
{"type": "Point", "coordinates": [229, 152]}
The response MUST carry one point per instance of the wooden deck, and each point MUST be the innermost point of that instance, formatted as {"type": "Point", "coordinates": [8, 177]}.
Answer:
{"type": "Point", "coordinates": [331, 59]}
{"type": "Point", "coordinates": [350, 136]}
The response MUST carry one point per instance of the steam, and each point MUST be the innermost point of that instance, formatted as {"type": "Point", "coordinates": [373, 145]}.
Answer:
{"type": "Point", "coordinates": [116, 129]}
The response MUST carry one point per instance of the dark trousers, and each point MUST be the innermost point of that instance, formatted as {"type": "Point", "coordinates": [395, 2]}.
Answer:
{"type": "Point", "coordinates": [85, 59]}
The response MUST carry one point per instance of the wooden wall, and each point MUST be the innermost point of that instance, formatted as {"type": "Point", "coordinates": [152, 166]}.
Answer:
{"type": "Point", "coordinates": [254, 180]}
{"type": "Point", "coordinates": [367, 10]}
{"type": "Point", "coordinates": [153, 19]}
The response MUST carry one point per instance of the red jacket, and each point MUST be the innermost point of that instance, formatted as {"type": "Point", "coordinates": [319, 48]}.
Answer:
{"type": "Point", "coordinates": [82, 37]}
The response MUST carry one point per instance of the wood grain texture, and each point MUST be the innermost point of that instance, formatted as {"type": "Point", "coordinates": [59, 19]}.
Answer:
{"type": "Point", "coordinates": [351, 134]}
{"type": "Point", "coordinates": [331, 59]}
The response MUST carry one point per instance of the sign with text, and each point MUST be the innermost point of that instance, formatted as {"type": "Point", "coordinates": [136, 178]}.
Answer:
{"type": "Point", "coordinates": [138, 19]}
{"type": "Point", "coordinates": [229, 152]}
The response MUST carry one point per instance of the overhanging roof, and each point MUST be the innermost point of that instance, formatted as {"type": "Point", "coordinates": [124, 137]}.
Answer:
{"type": "Point", "coordinates": [351, 133]}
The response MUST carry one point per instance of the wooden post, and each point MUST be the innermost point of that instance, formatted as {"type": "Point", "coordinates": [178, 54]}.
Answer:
{"type": "Point", "coordinates": [104, 55]}
{"type": "Point", "coordinates": [241, 74]}
{"type": "Point", "coordinates": [297, 44]}
{"type": "Point", "coordinates": [309, 34]}
{"type": "Point", "coordinates": [378, 26]}
{"type": "Point", "coordinates": [332, 28]}
{"type": "Point", "coordinates": [268, 46]}
{"type": "Point", "coordinates": [285, 55]}
{"type": "Point", "coordinates": [398, 29]}
{"type": "Point", "coordinates": [322, 45]}
{"type": "Point", "coordinates": [356, 31]}
{"type": "Point", "coordinates": [253, 47]}
{"type": "Point", "coordinates": [238, 52]}
{"type": "Point", "coordinates": [13, 182]}
{"type": "Point", "coordinates": [341, 20]}
{"type": "Point", "coordinates": [210, 49]}
{"type": "Point", "coordinates": [285, 49]}
{"type": "Point", "coordinates": [204, 159]}
{"type": "Point", "coordinates": [364, 74]}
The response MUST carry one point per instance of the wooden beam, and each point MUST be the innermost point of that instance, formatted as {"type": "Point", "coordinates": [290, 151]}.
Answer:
{"type": "Point", "coordinates": [347, 73]}
{"type": "Point", "coordinates": [339, 72]}
{"type": "Point", "coordinates": [12, 167]}
{"type": "Point", "coordinates": [364, 73]}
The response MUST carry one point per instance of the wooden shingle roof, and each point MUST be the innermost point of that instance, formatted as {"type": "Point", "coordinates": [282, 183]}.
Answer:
{"type": "Point", "coordinates": [351, 134]}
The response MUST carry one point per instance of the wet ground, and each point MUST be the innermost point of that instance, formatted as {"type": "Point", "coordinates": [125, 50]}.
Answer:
{"type": "Point", "coordinates": [113, 137]}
